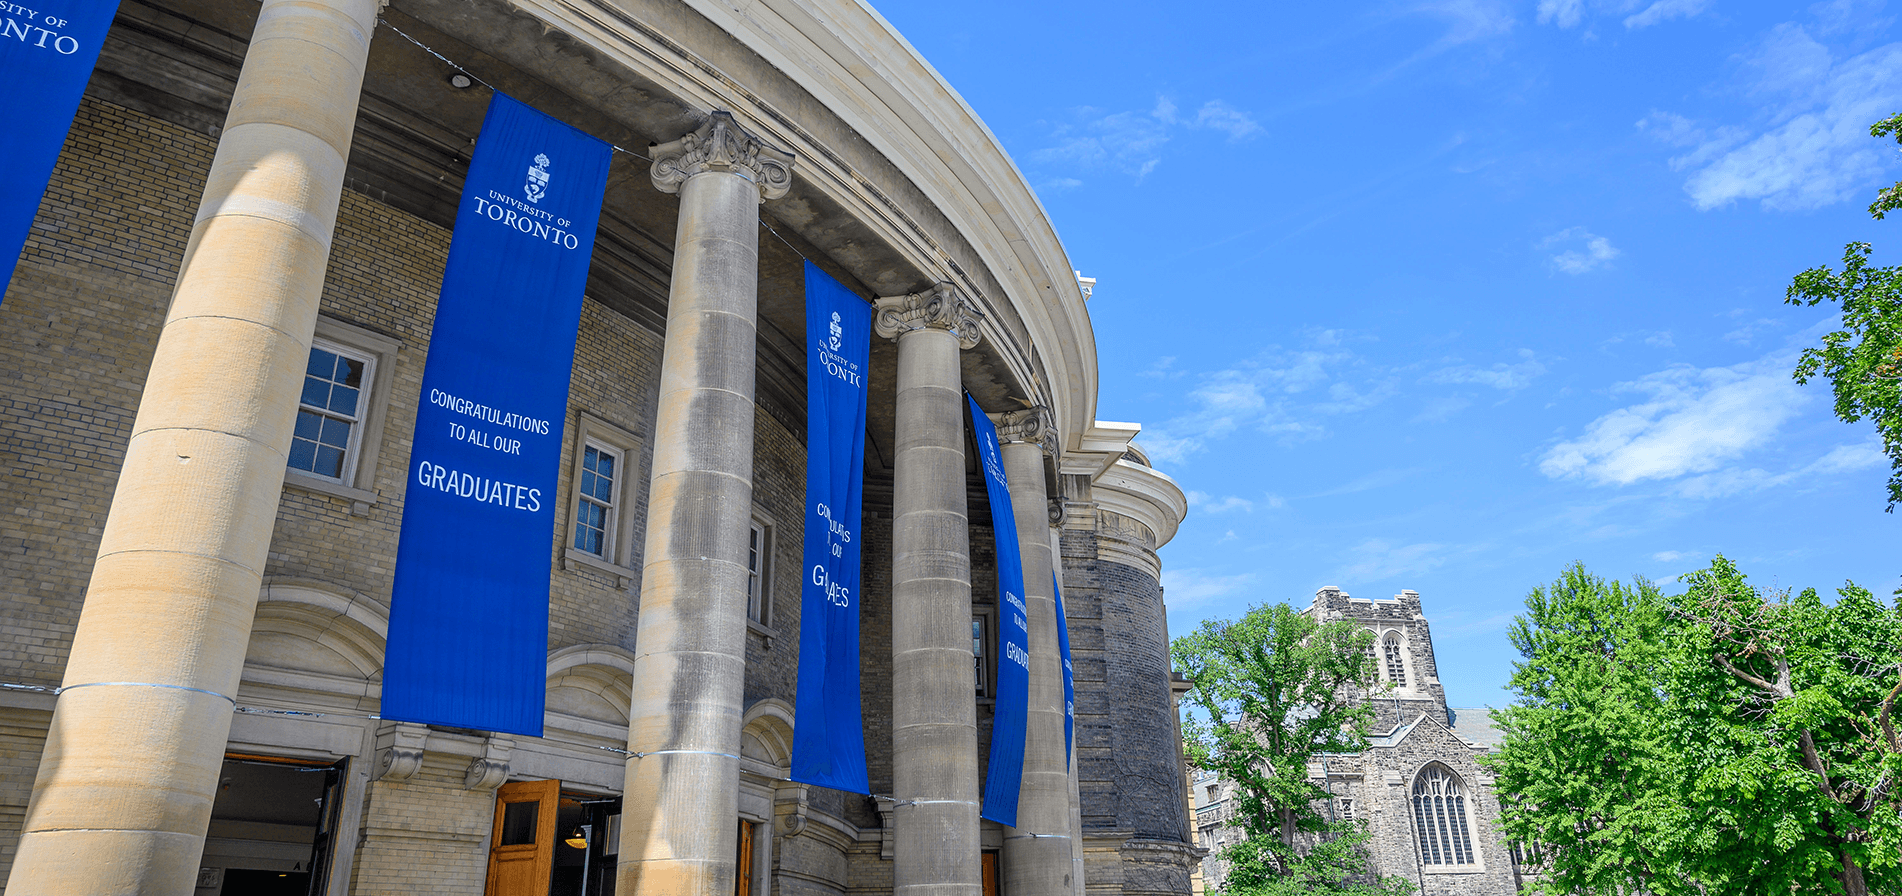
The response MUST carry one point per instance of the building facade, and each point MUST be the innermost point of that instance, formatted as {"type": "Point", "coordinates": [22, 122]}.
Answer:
{"type": "Point", "coordinates": [1428, 805]}
{"type": "Point", "coordinates": [212, 352]}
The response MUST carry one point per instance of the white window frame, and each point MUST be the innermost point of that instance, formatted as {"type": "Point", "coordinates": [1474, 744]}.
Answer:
{"type": "Point", "coordinates": [986, 659]}
{"type": "Point", "coordinates": [617, 549]}
{"type": "Point", "coordinates": [357, 484]}
{"type": "Point", "coordinates": [610, 509]}
{"type": "Point", "coordinates": [760, 580]}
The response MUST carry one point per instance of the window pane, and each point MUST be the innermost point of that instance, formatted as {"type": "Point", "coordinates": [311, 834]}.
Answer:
{"type": "Point", "coordinates": [308, 425]}
{"type": "Point", "coordinates": [303, 455]}
{"type": "Point", "coordinates": [350, 372]}
{"type": "Point", "coordinates": [343, 400]}
{"type": "Point", "coordinates": [329, 462]}
{"type": "Point", "coordinates": [590, 528]}
{"type": "Point", "coordinates": [518, 823]}
{"type": "Point", "coordinates": [322, 364]}
{"type": "Point", "coordinates": [316, 392]}
{"type": "Point", "coordinates": [336, 433]}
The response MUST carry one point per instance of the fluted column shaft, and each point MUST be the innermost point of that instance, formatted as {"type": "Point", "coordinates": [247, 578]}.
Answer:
{"type": "Point", "coordinates": [125, 785]}
{"type": "Point", "coordinates": [935, 850]}
{"type": "Point", "coordinates": [1037, 859]}
{"type": "Point", "coordinates": [679, 834]}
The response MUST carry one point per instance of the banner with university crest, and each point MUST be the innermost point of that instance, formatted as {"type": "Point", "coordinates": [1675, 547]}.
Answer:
{"type": "Point", "coordinates": [468, 637]}
{"type": "Point", "coordinates": [828, 728]}
{"type": "Point", "coordinates": [47, 54]}
{"type": "Point", "coordinates": [1004, 775]}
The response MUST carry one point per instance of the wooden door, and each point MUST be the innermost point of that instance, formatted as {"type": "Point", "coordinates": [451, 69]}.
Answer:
{"type": "Point", "coordinates": [522, 854]}
{"type": "Point", "coordinates": [990, 873]}
{"type": "Point", "coordinates": [743, 863]}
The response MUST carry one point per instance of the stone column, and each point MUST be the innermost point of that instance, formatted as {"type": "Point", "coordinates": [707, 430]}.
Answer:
{"type": "Point", "coordinates": [934, 711]}
{"type": "Point", "coordinates": [679, 833]}
{"type": "Point", "coordinates": [1037, 860]}
{"type": "Point", "coordinates": [123, 796]}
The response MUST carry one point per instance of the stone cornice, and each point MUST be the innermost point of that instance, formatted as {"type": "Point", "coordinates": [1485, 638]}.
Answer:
{"type": "Point", "coordinates": [721, 144]}
{"type": "Point", "coordinates": [942, 308]}
{"type": "Point", "coordinates": [1144, 495]}
{"type": "Point", "coordinates": [843, 54]}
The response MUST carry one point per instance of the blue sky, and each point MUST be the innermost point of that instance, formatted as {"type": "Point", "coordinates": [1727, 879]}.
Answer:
{"type": "Point", "coordinates": [1447, 295]}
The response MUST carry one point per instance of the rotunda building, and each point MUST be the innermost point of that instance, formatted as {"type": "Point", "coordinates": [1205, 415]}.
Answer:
{"type": "Point", "coordinates": [197, 580]}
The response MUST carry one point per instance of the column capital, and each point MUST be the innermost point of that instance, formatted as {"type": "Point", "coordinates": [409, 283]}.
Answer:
{"type": "Point", "coordinates": [1034, 425]}
{"type": "Point", "coordinates": [942, 307]}
{"type": "Point", "coordinates": [721, 144]}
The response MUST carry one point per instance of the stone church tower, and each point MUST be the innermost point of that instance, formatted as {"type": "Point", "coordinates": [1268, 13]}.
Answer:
{"type": "Point", "coordinates": [1418, 786]}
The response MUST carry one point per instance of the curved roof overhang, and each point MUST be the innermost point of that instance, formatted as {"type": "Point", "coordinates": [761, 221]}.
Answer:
{"type": "Point", "coordinates": [851, 60]}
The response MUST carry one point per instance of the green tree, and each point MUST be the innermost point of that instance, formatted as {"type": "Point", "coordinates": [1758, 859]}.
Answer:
{"type": "Point", "coordinates": [1863, 359]}
{"type": "Point", "coordinates": [1267, 693]}
{"type": "Point", "coordinates": [1730, 740]}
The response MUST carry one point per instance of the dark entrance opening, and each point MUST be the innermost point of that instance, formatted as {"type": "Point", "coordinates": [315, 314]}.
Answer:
{"type": "Point", "coordinates": [273, 826]}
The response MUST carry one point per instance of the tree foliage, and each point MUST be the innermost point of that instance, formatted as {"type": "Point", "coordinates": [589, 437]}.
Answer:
{"type": "Point", "coordinates": [1863, 360]}
{"type": "Point", "coordinates": [1268, 692]}
{"type": "Point", "coordinates": [1730, 740]}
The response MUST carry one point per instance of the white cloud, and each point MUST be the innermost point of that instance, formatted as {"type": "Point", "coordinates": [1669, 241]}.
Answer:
{"type": "Point", "coordinates": [1564, 13]}
{"type": "Point", "coordinates": [1569, 13]}
{"type": "Point", "coordinates": [1691, 421]}
{"type": "Point", "coordinates": [1748, 333]}
{"type": "Point", "coordinates": [1208, 504]}
{"type": "Point", "coordinates": [1674, 556]}
{"type": "Point", "coordinates": [1376, 559]}
{"type": "Point", "coordinates": [1287, 394]}
{"type": "Point", "coordinates": [1131, 142]}
{"type": "Point", "coordinates": [1590, 251]}
{"type": "Point", "coordinates": [1841, 459]}
{"type": "Point", "coordinates": [1666, 9]}
{"type": "Point", "coordinates": [1186, 586]}
{"type": "Point", "coordinates": [1818, 150]}
{"type": "Point", "coordinates": [1501, 376]}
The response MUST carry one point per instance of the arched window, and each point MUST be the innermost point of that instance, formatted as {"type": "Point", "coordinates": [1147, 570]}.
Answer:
{"type": "Point", "coordinates": [1396, 668]}
{"type": "Point", "coordinates": [1439, 817]}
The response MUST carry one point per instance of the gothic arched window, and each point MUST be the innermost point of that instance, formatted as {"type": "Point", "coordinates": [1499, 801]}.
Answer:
{"type": "Point", "coordinates": [1439, 817]}
{"type": "Point", "coordinates": [1396, 667]}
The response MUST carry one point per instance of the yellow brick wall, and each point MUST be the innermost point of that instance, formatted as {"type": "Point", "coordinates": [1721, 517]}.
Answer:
{"type": "Point", "coordinates": [424, 835]}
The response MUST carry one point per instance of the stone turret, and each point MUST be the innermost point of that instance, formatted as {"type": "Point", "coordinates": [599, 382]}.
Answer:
{"type": "Point", "coordinates": [1403, 652]}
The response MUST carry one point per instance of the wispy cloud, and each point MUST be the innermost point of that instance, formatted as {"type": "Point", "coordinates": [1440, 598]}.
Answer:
{"type": "Point", "coordinates": [1690, 421]}
{"type": "Point", "coordinates": [1841, 459]}
{"type": "Point", "coordinates": [1584, 251]}
{"type": "Point", "coordinates": [1131, 142]}
{"type": "Point", "coordinates": [1814, 148]}
{"type": "Point", "coordinates": [1636, 13]}
{"type": "Point", "coordinates": [1664, 10]}
{"type": "Point", "coordinates": [1182, 587]}
{"type": "Point", "coordinates": [1287, 394]}
{"type": "Point", "coordinates": [1674, 556]}
{"type": "Point", "coordinates": [1502, 376]}
{"type": "Point", "coordinates": [1377, 558]}
{"type": "Point", "coordinates": [1209, 504]}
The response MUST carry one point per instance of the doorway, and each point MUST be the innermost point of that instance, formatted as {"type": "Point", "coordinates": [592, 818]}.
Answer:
{"type": "Point", "coordinates": [273, 827]}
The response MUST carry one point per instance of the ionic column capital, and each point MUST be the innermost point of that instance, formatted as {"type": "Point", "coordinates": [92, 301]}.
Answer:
{"type": "Point", "coordinates": [722, 145]}
{"type": "Point", "coordinates": [1033, 425]}
{"type": "Point", "coordinates": [941, 307]}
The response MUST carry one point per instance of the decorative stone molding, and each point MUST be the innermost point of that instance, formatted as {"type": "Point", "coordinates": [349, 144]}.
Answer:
{"type": "Point", "coordinates": [722, 145]}
{"type": "Point", "coordinates": [942, 307]}
{"type": "Point", "coordinates": [1034, 425]}
{"type": "Point", "coordinates": [403, 756]}
{"type": "Point", "coordinates": [886, 806]}
{"type": "Point", "coordinates": [790, 804]}
{"type": "Point", "coordinates": [1059, 512]}
{"type": "Point", "coordinates": [489, 770]}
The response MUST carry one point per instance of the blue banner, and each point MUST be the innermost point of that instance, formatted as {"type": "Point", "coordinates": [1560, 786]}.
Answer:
{"type": "Point", "coordinates": [46, 54]}
{"type": "Point", "coordinates": [1005, 774]}
{"type": "Point", "coordinates": [828, 731]}
{"type": "Point", "coordinates": [468, 642]}
{"type": "Point", "coordinates": [1069, 676]}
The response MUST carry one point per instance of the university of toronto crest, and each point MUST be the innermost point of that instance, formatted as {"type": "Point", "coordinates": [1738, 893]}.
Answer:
{"type": "Point", "coordinates": [537, 185]}
{"type": "Point", "coordinates": [838, 332]}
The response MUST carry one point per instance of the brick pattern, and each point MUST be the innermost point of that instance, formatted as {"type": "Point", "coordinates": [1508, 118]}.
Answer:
{"type": "Point", "coordinates": [426, 834]}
